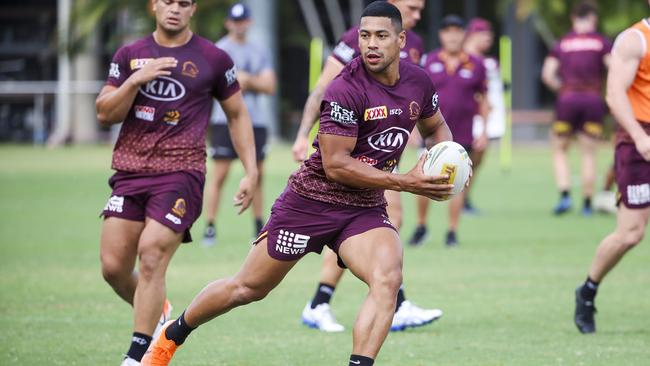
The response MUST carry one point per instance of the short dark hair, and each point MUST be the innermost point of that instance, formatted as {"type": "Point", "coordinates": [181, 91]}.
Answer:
{"type": "Point", "coordinates": [384, 9]}
{"type": "Point", "coordinates": [584, 8]}
{"type": "Point", "coordinates": [452, 20]}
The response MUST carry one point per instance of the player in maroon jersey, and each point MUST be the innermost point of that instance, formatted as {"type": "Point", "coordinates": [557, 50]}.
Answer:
{"type": "Point", "coordinates": [162, 87]}
{"type": "Point", "coordinates": [336, 198]}
{"type": "Point", "coordinates": [575, 69]}
{"type": "Point", "coordinates": [317, 312]}
{"type": "Point", "coordinates": [461, 81]}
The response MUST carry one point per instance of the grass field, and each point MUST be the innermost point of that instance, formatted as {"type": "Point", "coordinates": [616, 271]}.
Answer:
{"type": "Point", "coordinates": [507, 291]}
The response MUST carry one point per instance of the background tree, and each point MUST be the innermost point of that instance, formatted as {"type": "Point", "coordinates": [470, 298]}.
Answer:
{"type": "Point", "coordinates": [552, 16]}
{"type": "Point", "coordinates": [133, 18]}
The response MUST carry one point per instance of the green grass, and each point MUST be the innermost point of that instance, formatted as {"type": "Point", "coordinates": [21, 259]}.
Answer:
{"type": "Point", "coordinates": [507, 291]}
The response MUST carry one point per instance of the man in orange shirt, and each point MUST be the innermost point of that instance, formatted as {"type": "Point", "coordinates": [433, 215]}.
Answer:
{"type": "Point", "coordinates": [628, 97]}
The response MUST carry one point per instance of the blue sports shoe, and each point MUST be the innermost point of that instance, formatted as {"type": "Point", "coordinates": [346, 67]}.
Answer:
{"type": "Point", "coordinates": [587, 211]}
{"type": "Point", "coordinates": [563, 206]}
{"type": "Point", "coordinates": [469, 209]}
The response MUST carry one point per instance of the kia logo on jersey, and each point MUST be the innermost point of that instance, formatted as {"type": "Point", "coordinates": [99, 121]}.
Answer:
{"type": "Point", "coordinates": [164, 89]}
{"type": "Point", "coordinates": [389, 140]}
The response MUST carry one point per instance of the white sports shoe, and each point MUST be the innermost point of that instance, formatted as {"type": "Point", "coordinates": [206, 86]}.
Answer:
{"type": "Point", "coordinates": [410, 316]}
{"type": "Point", "coordinates": [164, 317]}
{"type": "Point", "coordinates": [128, 361]}
{"type": "Point", "coordinates": [321, 318]}
{"type": "Point", "coordinates": [605, 202]}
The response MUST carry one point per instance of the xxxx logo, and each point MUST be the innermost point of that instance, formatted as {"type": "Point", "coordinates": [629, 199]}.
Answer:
{"type": "Point", "coordinates": [372, 114]}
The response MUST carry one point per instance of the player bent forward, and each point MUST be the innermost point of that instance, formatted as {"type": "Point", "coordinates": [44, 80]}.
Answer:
{"type": "Point", "coordinates": [336, 197]}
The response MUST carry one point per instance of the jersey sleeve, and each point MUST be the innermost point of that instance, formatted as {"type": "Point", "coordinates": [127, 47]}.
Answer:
{"type": "Point", "coordinates": [119, 68]}
{"type": "Point", "coordinates": [339, 111]}
{"type": "Point", "coordinates": [423, 60]}
{"type": "Point", "coordinates": [347, 48]}
{"type": "Point", "coordinates": [225, 83]}
{"type": "Point", "coordinates": [481, 84]}
{"type": "Point", "coordinates": [431, 103]}
{"type": "Point", "coordinates": [555, 50]}
{"type": "Point", "coordinates": [607, 46]}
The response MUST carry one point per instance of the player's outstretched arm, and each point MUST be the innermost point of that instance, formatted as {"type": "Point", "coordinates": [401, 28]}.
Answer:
{"type": "Point", "coordinates": [113, 104]}
{"type": "Point", "coordinates": [342, 168]}
{"type": "Point", "coordinates": [624, 64]}
{"type": "Point", "coordinates": [311, 109]}
{"type": "Point", "coordinates": [434, 130]}
{"type": "Point", "coordinates": [241, 134]}
{"type": "Point", "coordinates": [550, 75]}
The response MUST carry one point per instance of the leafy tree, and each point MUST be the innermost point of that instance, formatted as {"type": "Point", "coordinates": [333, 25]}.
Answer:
{"type": "Point", "coordinates": [91, 15]}
{"type": "Point", "coordinates": [615, 15]}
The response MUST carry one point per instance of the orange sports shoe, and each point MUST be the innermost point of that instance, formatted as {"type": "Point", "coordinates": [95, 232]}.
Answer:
{"type": "Point", "coordinates": [161, 351]}
{"type": "Point", "coordinates": [164, 317]}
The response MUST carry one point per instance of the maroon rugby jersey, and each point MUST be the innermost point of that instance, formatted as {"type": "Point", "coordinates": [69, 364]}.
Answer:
{"type": "Point", "coordinates": [457, 89]}
{"type": "Point", "coordinates": [381, 117]}
{"type": "Point", "coordinates": [164, 130]}
{"type": "Point", "coordinates": [581, 61]}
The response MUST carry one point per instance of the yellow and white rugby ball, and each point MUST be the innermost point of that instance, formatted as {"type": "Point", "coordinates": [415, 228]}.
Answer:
{"type": "Point", "coordinates": [449, 158]}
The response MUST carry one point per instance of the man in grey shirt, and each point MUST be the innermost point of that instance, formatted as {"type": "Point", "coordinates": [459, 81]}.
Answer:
{"type": "Point", "coordinates": [256, 77]}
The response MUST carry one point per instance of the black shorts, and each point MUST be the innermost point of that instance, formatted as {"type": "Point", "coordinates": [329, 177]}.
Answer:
{"type": "Point", "coordinates": [221, 145]}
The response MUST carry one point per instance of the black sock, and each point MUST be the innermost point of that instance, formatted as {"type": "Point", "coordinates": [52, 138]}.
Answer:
{"type": "Point", "coordinates": [400, 297]}
{"type": "Point", "coordinates": [356, 360]}
{"type": "Point", "coordinates": [589, 290]}
{"type": "Point", "coordinates": [587, 203]}
{"type": "Point", "coordinates": [259, 224]}
{"type": "Point", "coordinates": [211, 224]}
{"type": "Point", "coordinates": [179, 330]}
{"type": "Point", "coordinates": [564, 194]}
{"type": "Point", "coordinates": [139, 345]}
{"type": "Point", "coordinates": [323, 295]}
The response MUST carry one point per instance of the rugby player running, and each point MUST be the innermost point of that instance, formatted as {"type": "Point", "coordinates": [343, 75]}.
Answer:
{"type": "Point", "coordinates": [317, 313]}
{"type": "Point", "coordinates": [336, 197]}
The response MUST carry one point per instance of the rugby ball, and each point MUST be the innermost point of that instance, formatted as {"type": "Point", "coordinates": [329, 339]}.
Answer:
{"type": "Point", "coordinates": [449, 158]}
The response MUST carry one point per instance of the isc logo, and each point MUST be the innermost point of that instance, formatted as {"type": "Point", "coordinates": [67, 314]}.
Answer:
{"type": "Point", "coordinates": [389, 140]}
{"type": "Point", "coordinates": [372, 114]}
{"type": "Point", "coordinates": [164, 89]}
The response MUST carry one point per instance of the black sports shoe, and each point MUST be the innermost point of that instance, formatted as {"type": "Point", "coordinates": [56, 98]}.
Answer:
{"type": "Point", "coordinates": [259, 225]}
{"type": "Point", "coordinates": [450, 240]}
{"type": "Point", "coordinates": [419, 236]}
{"type": "Point", "coordinates": [584, 315]}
